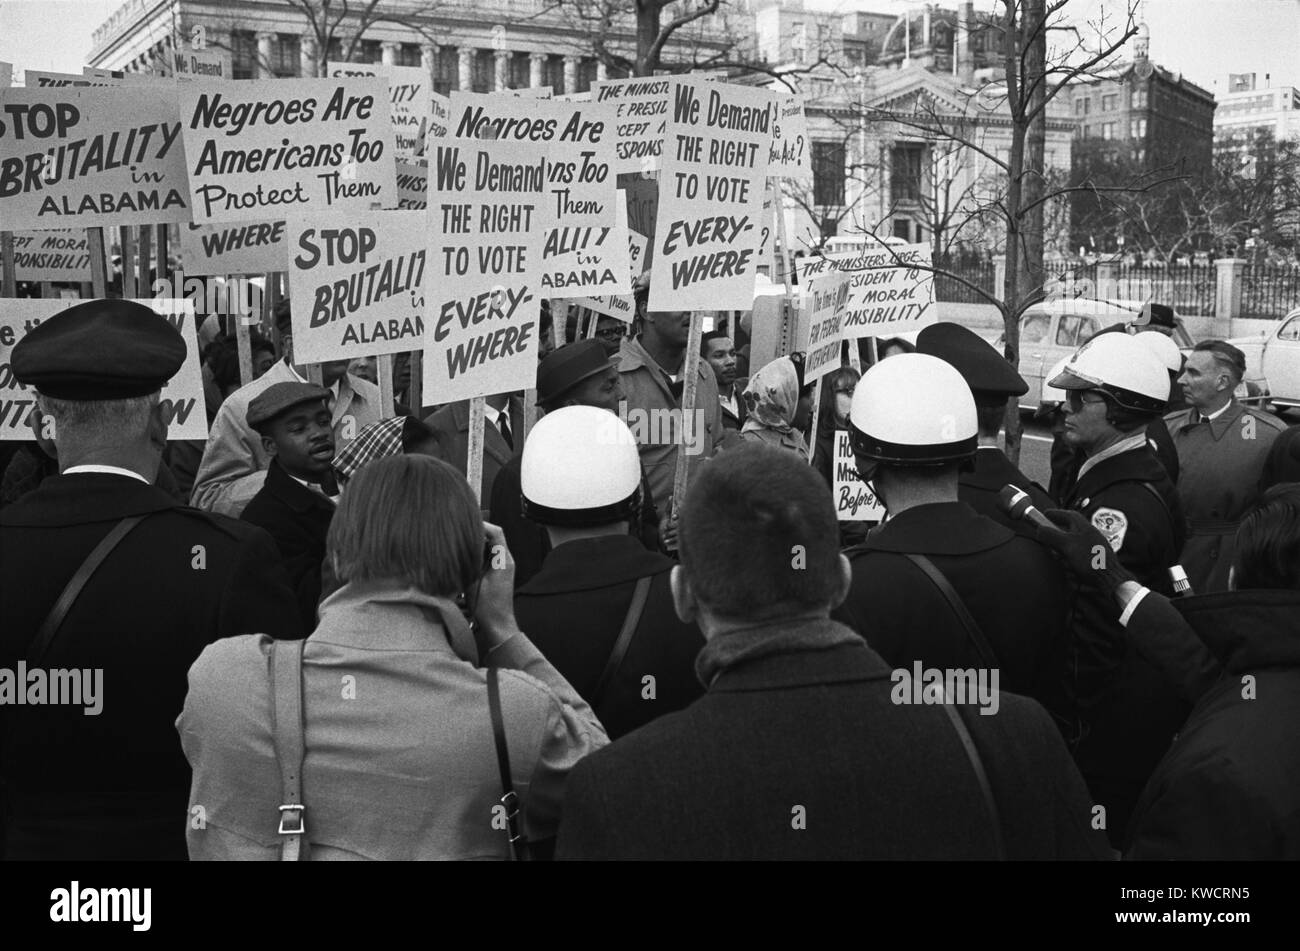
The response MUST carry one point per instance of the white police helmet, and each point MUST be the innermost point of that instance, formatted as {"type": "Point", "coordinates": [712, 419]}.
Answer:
{"type": "Point", "coordinates": [1164, 349]}
{"type": "Point", "coordinates": [913, 410]}
{"type": "Point", "coordinates": [580, 468]}
{"type": "Point", "coordinates": [1120, 367]}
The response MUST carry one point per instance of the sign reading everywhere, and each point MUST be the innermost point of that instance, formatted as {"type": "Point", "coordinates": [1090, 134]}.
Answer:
{"type": "Point", "coordinates": [711, 197]}
{"type": "Point", "coordinates": [410, 106]}
{"type": "Point", "coordinates": [238, 247]}
{"type": "Point", "coordinates": [61, 255]}
{"type": "Point", "coordinates": [854, 500]}
{"type": "Point", "coordinates": [825, 298]}
{"type": "Point", "coordinates": [357, 286]}
{"type": "Point", "coordinates": [888, 296]}
{"type": "Point", "coordinates": [482, 285]}
{"type": "Point", "coordinates": [181, 400]}
{"type": "Point", "coordinates": [271, 148]}
{"type": "Point", "coordinates": [91, 157]}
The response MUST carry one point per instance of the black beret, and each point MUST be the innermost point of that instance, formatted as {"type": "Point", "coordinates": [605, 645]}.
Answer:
{"type": "Point", "coordinates": [1156, 315]}
{"type": "Point", "coordinates": [567, 366]}
{"type": "Point", "coordinates": [99, 350]}
{"type": "Point", "coordinates": [278, 397]}
{"type": "Point", "coordinates": [988, 373]}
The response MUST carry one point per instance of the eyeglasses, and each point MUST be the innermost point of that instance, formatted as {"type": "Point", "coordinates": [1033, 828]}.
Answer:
{"type": "Point", "coordinates": [612, 333]}
{"type": "Point", "coordinates": [1076, 401]}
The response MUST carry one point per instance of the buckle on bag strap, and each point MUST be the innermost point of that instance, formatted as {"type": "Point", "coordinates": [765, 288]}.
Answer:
{"type": "Point", "coordinates": [296, 815]}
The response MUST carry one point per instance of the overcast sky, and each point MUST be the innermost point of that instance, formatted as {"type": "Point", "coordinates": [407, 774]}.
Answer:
{"type": "Point", "coordinates": [1204, 39]}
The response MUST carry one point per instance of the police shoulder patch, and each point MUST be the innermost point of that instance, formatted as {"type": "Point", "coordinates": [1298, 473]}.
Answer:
{"type": "Point", "coordinates": [1113, 524]}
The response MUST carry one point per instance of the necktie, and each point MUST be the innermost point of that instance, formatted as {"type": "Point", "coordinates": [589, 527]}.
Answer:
{"type": "Point", "coordinates": [503, 424]}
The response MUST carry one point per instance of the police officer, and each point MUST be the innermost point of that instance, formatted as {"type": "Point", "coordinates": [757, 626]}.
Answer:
{"type": "Point", "coordinates": [600, 609]}
{"type": "Point", "coordinates": [1114, 388]}
{"type": "Point", "coordinates": [992, 381]}
{"type": "Point", "coordinates": [938, 582]}
{"type": "Point", "coordinates": [107, 579]}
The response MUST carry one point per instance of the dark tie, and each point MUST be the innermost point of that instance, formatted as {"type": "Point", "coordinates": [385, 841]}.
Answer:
{"type": "Point", "coordinates": [329, 484]}
{"type": "Point", "coordinates": [503, 424]}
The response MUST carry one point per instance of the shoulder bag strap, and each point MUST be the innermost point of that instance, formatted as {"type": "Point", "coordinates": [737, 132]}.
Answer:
{"type": "Point", "coordinates": [977, 764]}
{"type": "Point", "coordinates": [982, 646]}
{"type": "Point", "coordinates": [509, 799]}
{"type": "Point", "coordinates": [290, 745]}
{"type": "Point", "coordinates": [54, 620]}
{"type": "Point", "coordinates": [624, 641]}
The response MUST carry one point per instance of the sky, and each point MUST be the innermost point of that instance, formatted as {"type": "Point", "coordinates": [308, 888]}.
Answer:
{"type": "Point", "coordinates": [1203, 39]}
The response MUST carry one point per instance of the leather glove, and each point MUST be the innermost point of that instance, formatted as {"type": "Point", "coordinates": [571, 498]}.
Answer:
{"type": "Point", "coordinates": [1086, 552]}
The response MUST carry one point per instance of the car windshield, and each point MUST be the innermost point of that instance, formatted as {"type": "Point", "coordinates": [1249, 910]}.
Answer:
{"type": "Point", "coordinates": [1034, 328]}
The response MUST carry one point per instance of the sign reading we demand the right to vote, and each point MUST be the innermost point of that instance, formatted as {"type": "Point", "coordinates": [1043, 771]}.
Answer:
{"type": "Point", "coordinates": [715, 164]}
{"type": "Point", "coordinates": [887, 296]}
{"type": "Point", "coordinates": [270, 149]}
{"type": "Point", "coordinates": [482, 282]}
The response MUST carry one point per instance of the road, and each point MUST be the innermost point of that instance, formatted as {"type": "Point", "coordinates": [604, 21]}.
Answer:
{"type": "Point", "coordinates": [1035, 450]}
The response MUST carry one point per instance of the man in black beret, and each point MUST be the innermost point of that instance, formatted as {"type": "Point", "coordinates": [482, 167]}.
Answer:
{"type": "Point", "coordinates": [578, 374]}
{"type": "Point", "coordinates": [992, 381]}
{"type": "Point", "coordinates": [111, 589]}
{"type": "Point", "coordinates": [296, 503]}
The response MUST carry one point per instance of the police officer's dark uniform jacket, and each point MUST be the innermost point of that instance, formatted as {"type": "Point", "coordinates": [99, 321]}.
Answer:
{"type": "Point", "coordinates": [1129, 711]}
{"type": "Point", "coordinates": [990, 471]}
{"type": "Point", "coordinates": [573, 610]}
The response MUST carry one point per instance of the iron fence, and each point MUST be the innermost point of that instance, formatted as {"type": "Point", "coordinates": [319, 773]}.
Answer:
{"type": "Point", "coordinates": [950, 290]}
{"type": "Point", "coordinates": [1269, 291]}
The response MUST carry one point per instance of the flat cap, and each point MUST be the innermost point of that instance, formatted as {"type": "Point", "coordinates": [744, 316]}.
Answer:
{"type": "Point", "coordinates": [278, 397]}
{"type": "Point", "coordinates": [989, 375]}
{"type": "Point", "coordinates": [99, 350]}
{"type": "Point", "coordinates": [1156, 315]}
{"type": "Point", "coordinates": [567, 366]}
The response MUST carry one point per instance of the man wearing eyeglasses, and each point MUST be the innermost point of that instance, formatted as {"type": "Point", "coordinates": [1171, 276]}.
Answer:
{"type": "Point", "coordinates": [610, 331]}
{"type": "Point", "coordinates": [1114, 387]}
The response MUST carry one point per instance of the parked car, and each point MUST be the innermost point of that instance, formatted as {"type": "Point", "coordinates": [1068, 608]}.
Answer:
{"type": "Point", "coordinates": [1273, 361]}
{"type": "Point", "coordinates": [1051, 331]}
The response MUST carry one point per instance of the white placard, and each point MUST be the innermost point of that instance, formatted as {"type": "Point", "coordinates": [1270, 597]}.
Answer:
{"type": "Point", "coordinates": [641, 116]}
{"type": "Point", "coordinates": [854, 500]}
{"type": "Point", "coordinates": [791, 149]}
{"type": "Point", "coordinates": [59, 255]}
{"type": "Point", "coordinates": [825, 298]}
{"type": "Point", "coordinates": [409, 97]}
{"type": "Point", "coordinates": [887, 297]}
{"type": "Point", "coordinates": [236, 247]}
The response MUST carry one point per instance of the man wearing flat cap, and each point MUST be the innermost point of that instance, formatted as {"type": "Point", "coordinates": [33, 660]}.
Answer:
{"type": "Point", "coordinates": [578, 374]}
{"type": "Point", "coordinates": [296, 503]}
{"type": "Point", "coordinates": [992, 381]}
{"type": "Point", "coordinates": [108, 580]}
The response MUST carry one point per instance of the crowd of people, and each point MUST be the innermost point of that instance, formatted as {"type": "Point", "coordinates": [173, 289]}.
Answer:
{"type": "Point", "coordinates": [318, 640]}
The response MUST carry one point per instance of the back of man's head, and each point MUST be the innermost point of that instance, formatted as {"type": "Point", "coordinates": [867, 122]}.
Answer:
{"type": "Point", "coordinates": [1268, 542]}
{"type": "Point", "coordinates": [759, 538]}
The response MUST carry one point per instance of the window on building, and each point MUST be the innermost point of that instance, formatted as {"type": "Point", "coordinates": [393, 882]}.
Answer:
{"type": "Point", "coordinates": [1137, 128]}
{"type": "Point", "coordinates": [243, 55]}
{"type": "Point", "coordinates": [553, 74]}
{"type": "Point", "coordinates": [798, 42]}
{"type": "Point", "coordinates": [828, 167]}
{"type": "Point", "coordinates": [1108, 130]}
{"type": "Point", "coordinates": [1110, 102]}
{"type": "Point", "coordinates": [905, 172]}
{"type": "Point", "coordinates": [334, 50]}
{"type": "Point", "coordinates": [408, 54]}
{"type": "Point", "coordinates": [446, 69]}
{"type": "Point", "coordinates": [483, 73]}
{"type": "Point", "coordinates": [285, 56]}
{"type": "Point", "coordinates": [520, 71]}
{"type": "Point", "coordinates": [370, 51]}
{"type": "Point", "coordinates": [1081, 106]}
{"type": "Point", "coordinates": [1138, 98]}
{"type": "Point", "coordinates": [586, 75]}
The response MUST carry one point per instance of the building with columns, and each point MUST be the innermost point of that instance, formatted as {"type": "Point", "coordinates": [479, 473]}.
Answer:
{"type": "Point", "coordinates": [481, 46]}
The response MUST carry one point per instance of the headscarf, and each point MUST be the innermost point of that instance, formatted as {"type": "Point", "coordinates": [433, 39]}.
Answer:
{"type": "Point", "coordinates": [772, 397]}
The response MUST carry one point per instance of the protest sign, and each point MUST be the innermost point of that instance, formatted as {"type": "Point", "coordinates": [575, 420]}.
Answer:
{"type": "Point", "coordinates": [887, 297]}
{"type": "Point", "coordinates": [482, 284]}
{"type": "Point", "coordinates": [182, 402]}
{"type": "Point", "coordinates": [825, 297]}
{"type": "Point", "coordinates": [578, 261]}
{"type": "Point", "coordinates": [621, 306]}
{"type": "Point", "coordinates": [189, 65]}
{"type": "Point", "coordinates": [358, 286]}
{"type": "Point", "coordinates": [711, 197]}
{"type": "Point", "coordinates": [412, 185]}
{"type": "Point", "coordinates": [270, 148]}
{"type": "Point", "coordinates": [409, 92]}
{"type": "Point", "coordinates": [240, 247]}
{"type": "Point", "coordinates": [440, 116]}
{"type": "Point", "coordinates": [60, 255]}
{"type": "Point", "coordinates": [579, 181]}
{"type": "Point", "coordinates": [854, 500]}
{"type": "Point", "coordinates": [640, 117]}
{"type": "Point", "coordinates": [91, 157]}
{"type": "Point", "coordinates": [791, 149]}
{"type": "Point", "coordinates": [39, 79]}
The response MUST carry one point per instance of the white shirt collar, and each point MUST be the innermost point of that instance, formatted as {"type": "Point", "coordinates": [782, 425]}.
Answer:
{"type": "Point", "coordinates": [491, 413]}
{"type": "Point", "coordinates": [294, 371]}
{"type": "Point", "coordinates": [1217, 413]}
{"type": "Point", "coordinates": [1135, 441]}
{"type": "Point", "coordinates": [312, 486]}
{"type": "Point", "coordinates": [109, 470]}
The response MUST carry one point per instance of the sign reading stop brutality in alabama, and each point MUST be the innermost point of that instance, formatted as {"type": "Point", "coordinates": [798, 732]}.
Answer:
{"type": "Point", "coordinates": [409, 93]}
{"type": "Point", "coordinates": [854, 500]}
{"type": "Point", "coordinates": [182, 397]}
{"type": "Point", "coordinates": [711, 197]}
{"type": "Point", "coordinates": [357, 287]}
{"type": "Point", "coordinates": [240, 247]}
{"type": "Point", "coordinates": [580, 181]}
{"type": "Point", "coordinates": [887, 297]}
{"type": "Point", "coordinates": [90, 157]}
{"type": "Point", "coordinates": [482, 283]}
{"type": "Point", "coordinates": [640, 118]}
{"type": "Point", "coordinates": [622, 306]}
{"type": "Point", "coordinates": [825, 296]}
{"type": "Point", "coordinates": [269, 149]}
{"type": "Point", "coordinates": [791, 150]}
{"type": "Point", "coordinates": [62, 255]}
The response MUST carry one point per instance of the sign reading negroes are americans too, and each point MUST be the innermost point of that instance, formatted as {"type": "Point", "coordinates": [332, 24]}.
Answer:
{"type": "Point", "coordinates": [273, 148]}
{"type": "Point", "coordinates": [181, 401]}
{"type": "Point", "coordinates": [90, 157]}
